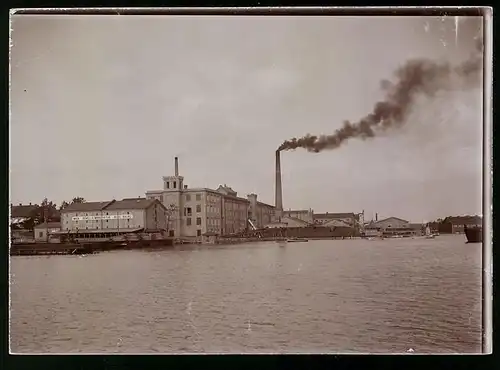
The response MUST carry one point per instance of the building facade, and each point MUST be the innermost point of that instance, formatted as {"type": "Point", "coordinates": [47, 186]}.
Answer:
{"type": "Point", "coordinates": [195, 212]}
{"type": "Point", "coordinates": [102, 220]}
{"type": "Point", "coordinates": [47, 231]}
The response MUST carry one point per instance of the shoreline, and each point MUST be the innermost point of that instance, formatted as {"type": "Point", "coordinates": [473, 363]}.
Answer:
{"type": "Point", "coordinates": [35, 249]}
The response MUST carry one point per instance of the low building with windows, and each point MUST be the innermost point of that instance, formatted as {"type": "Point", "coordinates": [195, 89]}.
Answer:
{"type": "Point", "coordinates": [47, 232]}
{"type": "Point", "coordinates": [194, 212]}
{"type": "Point", "coordinates": [105, 220]}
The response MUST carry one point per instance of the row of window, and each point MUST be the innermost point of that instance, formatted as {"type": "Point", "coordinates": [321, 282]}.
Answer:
{"type": "Point", "coordinates": [188, 197]}
{"type": "Point", "coordinates": [174, 184]}
{"type": "Point", "coordinates": [198, 221]}
{"type": "Point", "coordinates": [188, 210]}
{"type": "Point", "coordinates": [99, 213]}
{"type": "Point", "coordinates": [121, 221]}
{"type": "Point", "coordinates": [128, 226]}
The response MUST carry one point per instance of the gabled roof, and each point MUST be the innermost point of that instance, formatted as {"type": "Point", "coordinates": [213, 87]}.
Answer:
{"type": "Point", "coordinates": [132, 203]}
{"type": "Point", "coordinates": [337, 223]}
{"type": "Point", "coordinates": [23, 211]}
{"type": "Point", "coordinates": [86, 207]}
{"type": "Point", "coordinates": [390, 218]}
{"type": "Point", "coordinates": [333, 215]}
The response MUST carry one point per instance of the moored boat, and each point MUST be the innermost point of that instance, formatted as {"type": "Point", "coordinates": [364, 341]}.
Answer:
{"type": "Point", "coordinates": [474, 234]}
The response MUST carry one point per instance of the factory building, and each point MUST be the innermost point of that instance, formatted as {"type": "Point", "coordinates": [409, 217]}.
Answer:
{"type": "Point", "coordinates": [197, 212]}
{"type": "Point", "coordinates": [260, 214]}
{"type": "Point", "coordinates": [352, 223]}
{"type": "Point", "coordinates": [306, 215]}
{"type": "Point", "coordinates": [392, 226]}
{"type": "Point", "coordinates": [103, 220]}
{"type": "Point", "coordinates": [346, 219]}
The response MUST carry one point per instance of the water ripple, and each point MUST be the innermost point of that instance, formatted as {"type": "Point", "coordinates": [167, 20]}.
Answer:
{"type": "Point", "coordinates": [325, 296]}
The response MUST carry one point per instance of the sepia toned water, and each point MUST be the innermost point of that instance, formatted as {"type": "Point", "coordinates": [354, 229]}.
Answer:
{"type": "Point", "coordinates": [320, 296]}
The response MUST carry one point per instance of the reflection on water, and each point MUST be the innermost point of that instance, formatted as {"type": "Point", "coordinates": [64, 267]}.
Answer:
{"type": "Point", "coordinates": [321, 296]}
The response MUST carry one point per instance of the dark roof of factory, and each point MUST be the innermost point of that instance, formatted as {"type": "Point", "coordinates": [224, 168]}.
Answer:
{"type": "Point", "coordinates": [333, 215]}
{"type": "Point", "coordinates": [23, 210]}
{"type": "Point", "coordinates": [463, 220]}
{"type": "Point", "coordinates": [86, 206]}
{"type": "Point", "coordinates": [132, 203]}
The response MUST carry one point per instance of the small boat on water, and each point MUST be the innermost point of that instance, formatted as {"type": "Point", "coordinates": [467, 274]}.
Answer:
{"type": "Point", "coordinates": [474, 234]}
{"type": "Point", "coordinates": [428, 234]}
{"type": "Point", "coordinates": [296, 240]}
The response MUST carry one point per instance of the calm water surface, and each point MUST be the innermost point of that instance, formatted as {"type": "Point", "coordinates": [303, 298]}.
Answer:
{"type": "Point", "coordinates": [321, 296]}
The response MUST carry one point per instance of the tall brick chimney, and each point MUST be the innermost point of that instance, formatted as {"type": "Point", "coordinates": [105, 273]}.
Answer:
{"type": "Point", "coordinates": [176, 166]}
{"type": "Point", "coordinates": [279, 192]}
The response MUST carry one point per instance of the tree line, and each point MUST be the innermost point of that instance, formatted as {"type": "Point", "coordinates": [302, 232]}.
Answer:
{"type": "Point", "coordinates": [47, 211]}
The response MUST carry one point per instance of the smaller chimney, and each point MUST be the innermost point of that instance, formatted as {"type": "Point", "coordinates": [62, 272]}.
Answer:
{"type": "Point", "coordinates": [176, 166]}
{"type": "Point", "coordinates": [376, 216]}
{"type": "Point", "coordinates": [185, 186]}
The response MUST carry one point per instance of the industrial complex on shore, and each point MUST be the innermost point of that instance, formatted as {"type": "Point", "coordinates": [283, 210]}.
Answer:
{"type": "Point", "coordinates": [201, 214]}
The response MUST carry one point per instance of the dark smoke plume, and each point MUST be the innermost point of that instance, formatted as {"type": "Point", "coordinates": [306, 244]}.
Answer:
{"type": "Point", "coordinates": [416, 77]}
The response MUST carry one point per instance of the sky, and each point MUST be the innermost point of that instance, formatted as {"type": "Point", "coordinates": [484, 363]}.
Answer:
{"type": "Point", "coordinates": [101, 105]}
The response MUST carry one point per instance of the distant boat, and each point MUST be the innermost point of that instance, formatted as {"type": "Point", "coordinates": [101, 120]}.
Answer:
{"type": "Point", "coordinates": [474, 234]}
{"type": "Point", "coordinates": [297, 240]}
{"type": "Point", "coordinates": [428, 234]}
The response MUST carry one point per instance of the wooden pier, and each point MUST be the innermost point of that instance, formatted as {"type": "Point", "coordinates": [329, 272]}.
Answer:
{"type": "Point", "coordinates": [35, 249]}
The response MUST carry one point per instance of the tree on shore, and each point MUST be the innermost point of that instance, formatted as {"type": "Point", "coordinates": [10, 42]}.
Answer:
{"type": "Point", "coordinates": [45, 212]}
{"type": "Point", "coordinates": [64, 204]}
